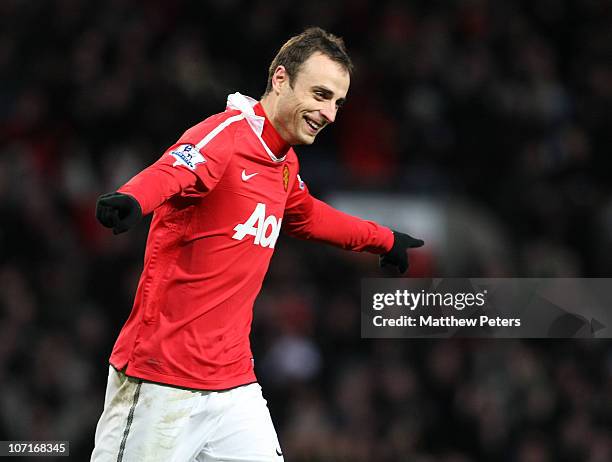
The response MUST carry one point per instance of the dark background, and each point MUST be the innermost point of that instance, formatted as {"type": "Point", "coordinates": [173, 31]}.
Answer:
{"type": "Point", "coordinates": [492, 116]}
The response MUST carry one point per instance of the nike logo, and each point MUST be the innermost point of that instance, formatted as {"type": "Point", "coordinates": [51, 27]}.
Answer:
{"type": "Point", "coordinates": [246, 177]}
{"type": "Point", "coordinates": [279, 453]}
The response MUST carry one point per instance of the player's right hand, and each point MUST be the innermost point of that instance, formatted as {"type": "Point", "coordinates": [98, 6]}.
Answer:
{"type": "Point", "coordinates": [118, 211]}
{"type": "Point", "coordinates": [398, 255]}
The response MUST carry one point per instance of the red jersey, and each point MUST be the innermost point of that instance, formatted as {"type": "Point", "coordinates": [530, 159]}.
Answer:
{"type": "Point", "coordinates": [220, 196]}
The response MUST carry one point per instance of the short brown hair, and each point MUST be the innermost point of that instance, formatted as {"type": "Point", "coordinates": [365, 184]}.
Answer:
{"type": "Point", "coordinates": [299, 48]}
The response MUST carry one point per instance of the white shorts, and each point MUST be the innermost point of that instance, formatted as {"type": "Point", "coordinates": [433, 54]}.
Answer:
{"type": "Point", "coordinates": [144, 421]}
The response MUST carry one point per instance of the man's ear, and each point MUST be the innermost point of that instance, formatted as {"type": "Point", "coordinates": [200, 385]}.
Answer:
{"type": "Point", "coordinates": [279, 79]}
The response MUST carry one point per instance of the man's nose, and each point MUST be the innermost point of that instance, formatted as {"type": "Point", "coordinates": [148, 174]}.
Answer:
{"type": "Point", "coordinates": [329, 113]}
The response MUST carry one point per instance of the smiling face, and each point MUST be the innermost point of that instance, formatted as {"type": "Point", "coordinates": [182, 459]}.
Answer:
{"type": "Point", "coordinates": [299, 109]}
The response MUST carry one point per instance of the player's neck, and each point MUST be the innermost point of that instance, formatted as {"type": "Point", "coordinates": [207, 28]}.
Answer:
{"type": "Point", "coordinates": [268, 106]}
{"type": "Point", "coordinates": [268, 103]}
{"type": "Point", "coordinates": [270, 133]}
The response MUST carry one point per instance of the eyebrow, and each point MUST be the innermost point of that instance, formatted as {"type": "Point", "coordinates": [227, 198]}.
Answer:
{"type": "Point", "coordinates": [328, 93]}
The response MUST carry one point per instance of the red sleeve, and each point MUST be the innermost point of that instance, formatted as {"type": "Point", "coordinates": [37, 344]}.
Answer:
{"type": "Point", "coordinates": [309, 218]}
{"type": "Point", "coordinates": [192, 166]}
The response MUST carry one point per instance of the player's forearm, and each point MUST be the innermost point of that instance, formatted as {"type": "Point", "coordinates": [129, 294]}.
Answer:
{"type": "Point", "coordinates": [157, 183]}
{"type": "Point", "coordinates": [321, 222]}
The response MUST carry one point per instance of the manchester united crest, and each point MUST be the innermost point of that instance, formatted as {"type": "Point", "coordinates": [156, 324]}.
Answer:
{"type": "Point", "coordinates": [286, 177]}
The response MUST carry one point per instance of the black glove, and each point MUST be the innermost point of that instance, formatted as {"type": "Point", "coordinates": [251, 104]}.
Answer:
{"type": "Point", "coordinates": [118, 211]}
{"type": "Point", "coordinates": [398, 256]}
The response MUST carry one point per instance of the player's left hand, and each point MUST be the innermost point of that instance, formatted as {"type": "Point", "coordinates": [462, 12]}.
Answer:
{"type": "Point", "coordinates": [398, 255]}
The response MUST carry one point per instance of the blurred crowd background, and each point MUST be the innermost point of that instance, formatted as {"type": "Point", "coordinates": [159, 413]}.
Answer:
{"type": "Point", "coordinates": [492, 116]}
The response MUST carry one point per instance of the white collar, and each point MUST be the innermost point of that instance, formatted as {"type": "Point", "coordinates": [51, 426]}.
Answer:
{"type": "Point", "coordinates": [245, 104]}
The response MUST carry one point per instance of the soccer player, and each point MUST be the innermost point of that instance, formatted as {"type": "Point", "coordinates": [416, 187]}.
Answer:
{"type": "Point", "coordinates": [181, 383]}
